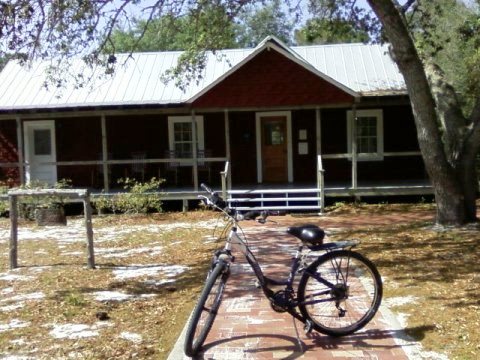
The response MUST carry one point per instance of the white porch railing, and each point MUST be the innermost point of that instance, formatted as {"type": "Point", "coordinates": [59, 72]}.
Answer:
{"type": "Point", "coordinates": [286, 199]}
{"type": "Point", "coordinates": [321, 183]}
{"type": "Point", "coordinates": [225, 180]}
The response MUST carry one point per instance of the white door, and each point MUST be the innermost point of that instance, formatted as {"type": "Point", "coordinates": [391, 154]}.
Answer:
{"type": "Point", "coordinates": [39, 137]}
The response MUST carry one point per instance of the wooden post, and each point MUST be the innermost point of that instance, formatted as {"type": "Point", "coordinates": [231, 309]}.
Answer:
{"type": "Point", "coordinates": [320, 170]}
{"type": "Point", "coordinates": [354, 146]}
{"type": "Point", "coordinates": [21, 158]}
{"type": "Point", "coordinates": [105, 166]}
{"type": "Point", "coordinates": [227, 148]}
{"type": "Point", "coordinates": [13, 232]}
{"type": "Point", "coordinates": [88, 227]}
{"type": "Point", "coordinates": [194, 151]}
{"type": "Point", "coordinates": [318, 118]}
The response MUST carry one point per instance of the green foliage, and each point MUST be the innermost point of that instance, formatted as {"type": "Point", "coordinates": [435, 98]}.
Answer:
{"type": "Point", "coordinates": [256, 23]}
{"type": "Point", "coordinates": [206, 26]}
{"type": "Point", "coordinates": [75, 299]}
{"type": "Point", "coordinates": [170, 33]}
{"type": "Point", "coordinates": [337, 21]}
{"type": "Point", "coordinates": [139, 198]}
{"type": "Point", "coordinates": [3, 194]}
{"type": "Point", "coordinates": [325, 31]}
{"type": "Point", "coordinates": [447, 32]}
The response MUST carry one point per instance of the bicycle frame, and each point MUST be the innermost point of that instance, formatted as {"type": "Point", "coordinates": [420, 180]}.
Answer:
{"type": "Point", "coordinates": [235, 240]}
{"type": "Point", "coordinates": [288, 304]}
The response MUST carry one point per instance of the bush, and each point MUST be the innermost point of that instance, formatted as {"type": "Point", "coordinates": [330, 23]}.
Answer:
{"type": "Point", "coordinates": [139, 198]}
{"type": "Point", "coordinates": [3, 198]}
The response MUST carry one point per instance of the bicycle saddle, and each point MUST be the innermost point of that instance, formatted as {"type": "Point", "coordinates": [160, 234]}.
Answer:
{"type": "Point", "coordinates": [308, 233]}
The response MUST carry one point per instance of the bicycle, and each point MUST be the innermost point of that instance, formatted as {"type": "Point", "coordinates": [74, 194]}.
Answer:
{"type": "Point", "coordinates": [338, 293]}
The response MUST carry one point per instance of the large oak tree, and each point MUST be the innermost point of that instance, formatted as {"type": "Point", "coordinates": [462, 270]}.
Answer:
{"type": "Point", "coordinates": [448, 139]}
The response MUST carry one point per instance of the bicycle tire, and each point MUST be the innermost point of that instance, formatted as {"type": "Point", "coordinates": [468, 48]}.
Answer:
{"type": "Point", "coordinates": [355, 299]}
{"type": "Point", "coordinates": [206, 309]}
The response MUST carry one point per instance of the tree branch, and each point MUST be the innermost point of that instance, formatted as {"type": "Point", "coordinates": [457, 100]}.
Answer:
{"type": "Point", "coordinates": [449, 112]}
{"type": "Point", "coordinates": [473, 135]}
{"type": "Point", "coordinates": [475, 115]}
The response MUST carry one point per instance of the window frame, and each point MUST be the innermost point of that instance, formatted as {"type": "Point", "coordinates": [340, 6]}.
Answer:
{"type": "Point", "coordinates": [172, 120]}
{"type": "Point", "coordinates": [362, 156]}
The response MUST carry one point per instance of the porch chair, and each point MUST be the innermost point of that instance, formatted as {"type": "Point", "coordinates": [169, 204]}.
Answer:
{"type": "Point", "coordinates": [172, 166]}
{"type": "Point", "coordinates": [139, 165]}
{"type": "Point", "coordinates": [204, 166]}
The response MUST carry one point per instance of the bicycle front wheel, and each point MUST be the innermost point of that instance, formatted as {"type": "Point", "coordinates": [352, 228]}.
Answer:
{"type": "Point", "coordinates": [340, 292]}
{"type": "Point", "coordinates": [206, 309]}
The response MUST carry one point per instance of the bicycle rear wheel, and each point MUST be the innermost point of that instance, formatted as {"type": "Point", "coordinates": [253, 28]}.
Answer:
{"type": "Point", "coordinates": [206, 309]}
{"type": "Point", "coordinates": [340, 292]}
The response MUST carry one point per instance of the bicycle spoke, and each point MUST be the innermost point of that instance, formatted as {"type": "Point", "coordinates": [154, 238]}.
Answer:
{"type": "Point", "coordinates": [343, 295]}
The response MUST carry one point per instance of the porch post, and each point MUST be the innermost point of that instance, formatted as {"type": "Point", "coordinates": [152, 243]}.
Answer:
{"type": "Point", "coordinates": [105, 166]}
{"type": "Point", "coordinates": [320, 170]}
{"type": "Point", "coordinates": [227, 147]}
{"type": "Point", "coordinates": [354, 146]}
{"type": "Point", "coordinates": [194, 151]}
{"type": "Point", "coordinates": [21, 167]}
{"type": "Point", "coordinates": [318, 118]}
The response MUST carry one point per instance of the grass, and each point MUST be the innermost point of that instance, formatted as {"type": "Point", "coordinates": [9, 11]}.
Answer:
{"type": "Point", "coordinates": [157, 312]}
{"type": "Point", "coordinates": [437, 270]}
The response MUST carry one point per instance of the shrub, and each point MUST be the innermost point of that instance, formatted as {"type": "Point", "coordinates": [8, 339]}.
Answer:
{"type": "Point", "coordinates": [139, 198]}
{"type": "Point", "coordinates": [3, 198]}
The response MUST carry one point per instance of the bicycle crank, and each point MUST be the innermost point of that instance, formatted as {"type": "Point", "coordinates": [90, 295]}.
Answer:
{"type": "Point", "coordinates": [281, 301]}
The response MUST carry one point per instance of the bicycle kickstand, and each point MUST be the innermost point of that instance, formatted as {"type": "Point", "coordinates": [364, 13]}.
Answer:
{"type": "Point", "coordinates": [308, 327]}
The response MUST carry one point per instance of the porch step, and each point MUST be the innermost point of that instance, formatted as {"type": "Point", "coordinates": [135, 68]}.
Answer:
{"type": "Point", "coordinates": [275, 199]}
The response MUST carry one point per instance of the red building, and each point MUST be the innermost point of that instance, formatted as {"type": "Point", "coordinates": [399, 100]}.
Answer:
{"type": "Point", "coordinates": [329, 120]}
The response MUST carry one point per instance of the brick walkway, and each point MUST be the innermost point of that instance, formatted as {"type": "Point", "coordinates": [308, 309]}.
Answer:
{"type": "Point", "coordinates": [247, 328]}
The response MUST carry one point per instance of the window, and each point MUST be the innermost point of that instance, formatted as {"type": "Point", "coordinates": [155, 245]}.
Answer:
{"type": "Point", "coordinates": [274, 133]}
{"type": "Point", "coordinates": [180, 135]}
{"type": "Point", "coordinates": [42, 142]}
{"type": "Point", "coordinates": [369, 134]}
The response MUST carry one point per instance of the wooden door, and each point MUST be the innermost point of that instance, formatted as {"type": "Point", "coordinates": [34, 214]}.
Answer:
{"type": "Point", "coordinates": [274, 149]}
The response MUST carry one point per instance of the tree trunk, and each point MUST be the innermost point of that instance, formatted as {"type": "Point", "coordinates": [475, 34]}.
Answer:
{"type": "Point", "coordinates": [448, 187]}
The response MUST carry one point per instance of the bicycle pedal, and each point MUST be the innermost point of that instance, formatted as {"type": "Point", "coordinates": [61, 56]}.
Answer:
{"type": "Point", "coordinates": [308, 327]}
{"type": "Point", "coordinates": [257, 284]}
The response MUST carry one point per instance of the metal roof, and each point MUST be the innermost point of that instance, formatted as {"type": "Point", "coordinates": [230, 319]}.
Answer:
{"type": "Point", "coordinates": [137, 80]}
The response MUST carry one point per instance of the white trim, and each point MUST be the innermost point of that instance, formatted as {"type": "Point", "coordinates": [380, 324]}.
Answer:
{"type": "Point", "coordinates": [46, 125]}
{"type": "Point", "coordinates": [258, 136]}
{"type": "Point", "coordinates": [187, 119]}
{"type": "Point", "coordinates": [378, 114]}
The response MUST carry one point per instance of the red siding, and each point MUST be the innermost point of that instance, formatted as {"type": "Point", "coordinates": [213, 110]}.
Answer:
{"type": "Point", "coordinates": [8, 152]}
{"type": "Point", "coordinates": [271, 79]}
